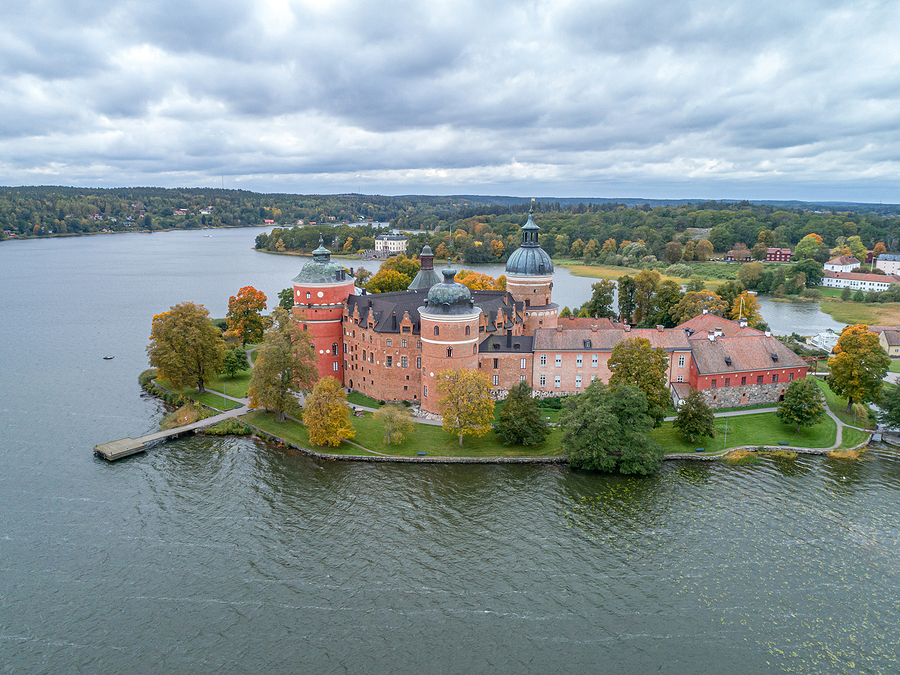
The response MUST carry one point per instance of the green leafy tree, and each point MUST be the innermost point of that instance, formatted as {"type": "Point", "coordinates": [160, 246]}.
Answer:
{"type": "Point", "coordinates": [846, 294]}
{"type": "Point", "coordinates": [889, 405]}
{"type": "Point", "coordinates": [520, 421]}
{"type": "Point", "coordinates": [634, 362]}
{"type": "Point", "coordinates": [286, 299]}
{"type": "Point", "coordinates": [626, 298]}
{"type": "Point", "coordinates": [646, 284]}
{"type": "Point", "coordinates": [857, 248]}
{"type": "Point", "coordinates": [608, 430]}
{"type": "Point", "coordinates": [750, 274]}
{"type": "Point", "coordinates": [235, 361]}
{"type": "Point", "coordinates": [808, 246]}
{"type": "Point", "coordinates": [565, 313]}
{"type": "Point", "coordinates": [803, 404]}
{"type": "Point", "coordinates": [602, 298]}
{"type": "Point", "coordinates": [185, 346]}
{"type": "Point", "coordinates": [667, 298]}
{"type": "Point", "coordinates": [729, 291]}
{"type": "Point", "coordinates": [703, 250]}
{"type": "Point", "coordinates": [465, 402]}
{"type": "Point", "coordinates": [858, 366]}
{"type": "Point", "coordinates": [812, 270]}
{"type": "Point", "coordinates": [397, 422]}
{"type": "Point", "coordinates": [695, 420]}
{"type": "Point", "coordinates": [244, 319]}
{"type": "Point", "coordinates": [326, 415]}
{"type": "Point", "coordinates": [285, 367]}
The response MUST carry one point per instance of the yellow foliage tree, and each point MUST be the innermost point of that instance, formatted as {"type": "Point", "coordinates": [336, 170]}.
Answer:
{"type": "Point", "coordinates": [478, 281]}
{"type": "Point", "coordinates": [465, 402]}
{"type": "Point", "coordinates": [746, 306]}
{"type": "Point", "coordinates": [185, 347]}
{"type": "Point", "coordinates": [326, 416]}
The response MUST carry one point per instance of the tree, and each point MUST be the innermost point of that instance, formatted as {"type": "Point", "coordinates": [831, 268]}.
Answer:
{"type": "Point", "coordinates": [667, 298]}
{"type": "Point", "coordinates": [693, 303]}
{"type": "Point", "coordinates": [477, 281]}
{"type": "Point", "coordinates": [803, 404]}
{"type": "Point", "coordinates": [626, 298]}
{"type": "Point", "coordinates": [607, 430]}
{"type": "Point", "coordinates": [857, 248]}
{"type": "Point", "coordinates": [285, 366]}
{"type": "Point", "coordinates": [185, 346]}
{"type": "Point", "coordinates": [846, 293]}
{"type": "Point", "coordinates": [879, 249]}
{"type": "Point", "coordinates": [465, 402]}
{"type": "Point", "coordinates": [889, 405]}
{"type": "Point", "coordinates": [601, 302]}
{"type": "Point", "coordinates": [635, 362]}
{"type": "Point", "coordinates": [729, 291]}
{"type": "Point", "coordinates": [397, 421]}
{"type": "Point", "coordinates": [673, 252]}
{"type": "Point", "coordinates": [766, 238]}
{"type": "Point", "coordinates": [813, 270]}
{"type": "Point", "coordinates": [746, 306]}
{"type": "Point", "coordinates": [565, 313]}
{"type": "Point", "coordinates": [326, 415]}
{"type": "Point", "coordinates": [646, 284]}
{"type": "Point", "coordinates": [808, 246]}
{"type": "Point", "coordinates": [286, 299]}
{"type": "Point", "coordinates": [362, 277]}
{"type": "Point", "coordinates": [703, 250]}
{"type": "Point", "coordinates": [520, 421]}
{"type": "Point", "coordinates": [695, 420]}
{"type": "Point", "coordinates": [690, 250]}
{"type": "Point", "coordinates": [244, 318]}
{"type": "Point", "coordinates": [759, 251]}
{"type": "Point", "coordinates": [400, 263]}
{"type": "Point", "coordinates": [750, 274]}
{"type": "Point", "coordinates": [387, 281]}
{"type": "Point", "coordinates": [235, 361]}
{"type": "Point", "coordinates": [858, 366]}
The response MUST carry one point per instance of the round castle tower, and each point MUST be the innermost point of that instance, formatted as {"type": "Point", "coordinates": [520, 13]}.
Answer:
{"type": "Point", "coordinates": [320, 292]}
{"type": "Point", "coordinates": [529, 279]}
{"type": "Point", "coordinates": [449, 332]}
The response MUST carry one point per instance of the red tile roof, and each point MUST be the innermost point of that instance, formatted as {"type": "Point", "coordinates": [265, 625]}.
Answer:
{"type": "Point", "coordinates": [573, 339]}
{"type": "Point", "coordinates": [856, 276]}
{"type": "Point", "coordinates": [843, 260]}
{"type": "Point", "coordinates": [710, 322]}
{"type": "Point", "coordinates": [748, 352]}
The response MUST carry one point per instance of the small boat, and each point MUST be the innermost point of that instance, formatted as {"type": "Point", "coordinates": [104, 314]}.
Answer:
{"type": "Point", "coordinates": [108, 358]}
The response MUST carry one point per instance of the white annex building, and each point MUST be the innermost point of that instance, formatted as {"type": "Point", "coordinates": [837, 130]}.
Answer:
{"type": "Point", "coordinates": [889, 262]}
{"type": "Point", "coordinates": [390, 244]}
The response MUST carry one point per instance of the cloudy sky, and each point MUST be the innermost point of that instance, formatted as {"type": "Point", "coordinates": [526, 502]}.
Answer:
{"type": "Point", "coordinates": [758, 99]}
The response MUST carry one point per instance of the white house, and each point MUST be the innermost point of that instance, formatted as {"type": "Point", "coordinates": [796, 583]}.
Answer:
{"type": "Point", "coordinates": [390, 244]}
{"type": "Point", "coordinates": [889, 262]}
{"type": "Point", "coordinates": [859, 282]}
{"type": "Point", "coordinates": [843, 263]}
{"type": "Point", "coordinates": [825, 341]}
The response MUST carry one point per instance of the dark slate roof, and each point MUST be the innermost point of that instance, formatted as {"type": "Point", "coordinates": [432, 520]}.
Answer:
{"type": "Point", "coordinates": [529, 259]}
{"type": "Point", "coordinates": [750, 352]}
{"type": "Point", "coordinates": [424, 280]}
{"type": "Point", "coordinates": [507, 344]}
{"type": "Point", "coordinates": [449, 297]}
{"type": "Point", "coordinates": [321, 269]}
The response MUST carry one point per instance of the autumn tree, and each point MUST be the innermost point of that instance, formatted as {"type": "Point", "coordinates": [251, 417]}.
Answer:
{"type": "Point", "coordinates": [673, 252]}
{"type": "Point", "coordinates": [400, 263]}
{"type": "Point", "coordinates": [397, 422]}
{"type": "Point", "coordinates": [808, 246]}
{"type": "Point", "coordinates": [746, 306]}
{"type": "Point", "coordinates": [703, 250]}
{"type": "Point", "coordinates": [750, 274]}
{"type": "Point", "coordinates": [520, 421]}
{"type": "Point", "coordinates": [693, 304]}
{"type": "Point", "coordinates": [695, 420]}
{"type": "Point", "coordinates": [244, 319]}
{"type": "Point", "coordinates": [326, 415]}
{"type": "Point", "coordinates": [465, 402]}
{"type": "Point", "coordinates": [635, 362]}
{"type": "Point", "coordinates": [803, 404]}
{"type": "Point", "coordinates": [858, 366]}
{"type": "Point", "coordinates": [607, 429]}
{"type": "Point", "coordinates": [477, 281]}
{"type": "Point", "coordinates": [766, 238]}
{"type": "Point", "coordinates": [185, 346]}
{"type": "Point", "coordinates": [387, 281]}
{"type": "Point", "coordinates": [879, 249]}
{"type": "Point", "coordinates": [690, 251]}
{"type": "Point", "coordinates": [285, 367]}
{"type": "Point", "coordinates": [603, 294]}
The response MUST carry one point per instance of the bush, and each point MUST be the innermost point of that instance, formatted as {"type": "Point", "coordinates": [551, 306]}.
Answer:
{"type": "Point", "coordinates": [811, 293]}
{"type": "Point", "coordinates": [146, 377]}
{"type": "Point", "coordinates": [230, 427]}
{"type": "Point", "coordinates": [554, 403]}
{"type": "Point", "coordinates": [678, 270]}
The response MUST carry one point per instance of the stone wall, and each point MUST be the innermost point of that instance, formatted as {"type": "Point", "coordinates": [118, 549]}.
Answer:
{"type": "Point", "coordinates": [747, 395]}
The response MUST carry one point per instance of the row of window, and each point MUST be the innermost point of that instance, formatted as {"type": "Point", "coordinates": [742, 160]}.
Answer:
{"type": "Point", "coordinates": [579, 360]}
{"type": "Point", "coordinates": [523, 363]}
{"type": "Point", "coordinates": [759, 380]}
{"type": "Point", "coordinates": [557, 381]}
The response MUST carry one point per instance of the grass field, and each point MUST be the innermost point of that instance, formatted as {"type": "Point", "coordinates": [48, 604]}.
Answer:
{"type": "Point", "coordinates": [869, 313]}
{"type": "Point", "coordinates": [355, 398]}
{"type": "Point", "coordinates": [895, 366]}
{"type": "Point", "coordinates": [838, 405]}
{"type": "Point", "coordinates": [209, 398]}
{"type": "Point", "coordinates": [759, 429]}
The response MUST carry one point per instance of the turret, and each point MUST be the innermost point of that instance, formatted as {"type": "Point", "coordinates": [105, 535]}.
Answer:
{"type": "Point", "coordinates": [529, 278]}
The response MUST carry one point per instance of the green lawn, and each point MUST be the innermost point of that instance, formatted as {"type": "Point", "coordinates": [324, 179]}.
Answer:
{"type": "Point", "coordinates": [294, 432]}
{"type": "Point", "coordinates": [853, 437]}
{"type": "Point", "coordinates": [895, 366]}
{"type": "Point", "coordinates": [209, 398]}
{"type": "Point", "coordinates": [759, 429]}
{"type": "Point", "coordinates": [356, 398]}
{"type": "Point", "coordinates": [236, 386]}
{"type": "Point", "coordinates": [838, 405]}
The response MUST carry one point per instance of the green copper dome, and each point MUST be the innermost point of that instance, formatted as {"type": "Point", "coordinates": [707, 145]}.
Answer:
{"type": "Point", "coordinates": [529, 259]}
{"type": "Point", "coordinates": [449, 297]}
{"type": "Point", "coordinates": [321, 270]}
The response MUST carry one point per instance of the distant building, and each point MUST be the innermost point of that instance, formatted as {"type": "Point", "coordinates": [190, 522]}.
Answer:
{"type": "Point", "coordinates": [890, 342]}
{"type": "Point", "coordinates": [778, 255]}
{"type": "Point", "coordinates": [387, 245]}
{"type": "Point", "coordinates": [889, 263]}
{"type": "Point", "coordinates": [843, 263]}
{"type": "Point", "coordinates": [857, 281]}
{"type": "Point", "coordinates": [825, 341]}
{"type": "Point", "coordinates": [738, 256]}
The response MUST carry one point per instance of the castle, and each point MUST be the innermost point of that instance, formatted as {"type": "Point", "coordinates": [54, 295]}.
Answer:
{"type": "Point", "coordinates": [391, 346]}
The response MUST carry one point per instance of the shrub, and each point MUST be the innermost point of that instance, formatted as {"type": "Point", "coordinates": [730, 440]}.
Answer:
{"type": "Point", "coordinates": [679, 270]}
{"type": "Point", "coordinates": [230, 427]}
{"type": "Point", "coordinates": [147, 376]}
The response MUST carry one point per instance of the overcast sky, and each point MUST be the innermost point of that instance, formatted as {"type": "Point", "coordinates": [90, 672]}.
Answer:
{"type": "Point", "coordinates": [758, 99]}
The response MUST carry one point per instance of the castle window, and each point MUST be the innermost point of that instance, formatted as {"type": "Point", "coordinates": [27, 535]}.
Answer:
{"type": "Point", "coordinates": [364, 354]}
{"type": "Point", "coordinates": [403, 342]}
{"type": "Point", "coordinates": [390, 362]}
{"type": "Point", "coordinates": [578, 381]}
{"type": "Point", "coordinates": [474, 349]}
{"type": "Point", "coordinates": [388, 342]}
{"type": "Point", "coordinates": [523, 362]}
{"type": "Point", "coordinates": [404, 362]}
{"type": "Point", "coordinates": [559, 360]}
{"type": "Point", "coordinates": [759, 379]}
{"type": "Point", "coordinates": [418, 344]}
{"type": "Point", "coordinates": [727, 381]}
{"type": "Point", "coordinates": [334, 366]}
{"type": "Point", "coordinates": [418, 362]}
{"type": "Point", "coordinates": [468, 330]}
{"type": "Point", "coordinates": [543, 359]}
{"type": "Point", "coordinates": [681, 361]}
{"type": "Point", "coordinates": [449, 352]}
{"type": "Point", "coordinates": [578, 359]}
{"type": "Point", "coordinates": [496, 380]}
{"type": "Point", "coordinates": [371, 357]}
{"type": "Point", "coordinates": [334, 349]}
{"type": "Point", "coordinates": [308, 295]}
{"type": "Point", "coordinates": [775, 377]}
{"type": "Point", "coordinates": [594, 360]}
{"type": "Point", "coordinates": [496, 363]}
{"type": "Point", "coordinates": [521, 378]}
{"type": "Point", "coordinates": [425, 390]}
{"type": "Point", "coordinates": [713, 384]}
{"type": "Point", "coordinates": [743, 381]}
{"type": "Point", "coordinates": [407, 329]}
{"type": "Point", "coordinates": [543, 380]}
{"type": "Point", "coordinates": [557, 382]}
{"type": "Point", "coordinates": [681, 378]}
{"type": "Point", "coordinates": [790, 377]}
{"type": "Point", "coordinates": [593, 377]}
{"type": "Point", "coordinates": [345, 347]}
{"type": "Point", "coordinates": [437, 330]}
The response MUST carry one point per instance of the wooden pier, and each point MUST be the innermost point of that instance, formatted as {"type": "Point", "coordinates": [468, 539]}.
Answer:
{"type": "Point", "coordinates": [125, 447]}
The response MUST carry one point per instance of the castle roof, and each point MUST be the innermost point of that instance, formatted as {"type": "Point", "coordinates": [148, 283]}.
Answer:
{"type": "Point", "coordinates": [742, 353]}
{"type": "Point", "coordinates": [711, 323]}
{"type": "Point", "coordinates": [449, 297]}
{"type": "Point", "coordinates": [581, 339]}
{"type": "Point", "coordinates": [529, 259]}
{"type": "Point", "coordinates": [321, 269]}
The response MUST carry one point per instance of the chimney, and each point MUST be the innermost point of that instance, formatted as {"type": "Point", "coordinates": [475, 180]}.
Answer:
{"type": "Point", "coordinates": [508, 339]}
{"type": "Point", "coordinates": [627, 328]}
{"type": "Point", "coordinates": [711, 336]}
{"type": "Point", "coordinates": [743, 323]}
{"type": "Point", "coordinates": [594, 328]}
{"type": "Point", "coordinates": [768, 333]}
{"type": "Point", "coordinates": [659, 328]}
{"type": "Point", "coordinates": [718, 331]}
{"type": "Point", "coordinates": [705, 311]}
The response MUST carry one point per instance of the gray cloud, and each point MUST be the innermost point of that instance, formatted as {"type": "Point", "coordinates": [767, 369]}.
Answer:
{"type": "Point", "coordinates": [611, 98]}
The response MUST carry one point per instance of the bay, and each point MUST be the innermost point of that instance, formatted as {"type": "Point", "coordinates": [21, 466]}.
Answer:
{"type": "Point", "coordinates": [231, 555]}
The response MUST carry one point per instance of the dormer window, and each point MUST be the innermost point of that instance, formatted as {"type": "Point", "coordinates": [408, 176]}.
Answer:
{"type": "Point", "coordinates": [775, 357]}
{"type": "Point", "coordinates": [587, 344]}
{"type": "Point", "coordinates": [727, 360]}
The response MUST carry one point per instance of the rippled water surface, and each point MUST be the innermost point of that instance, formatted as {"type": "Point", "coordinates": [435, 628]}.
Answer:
{"type": "Point", "coordinates": [231, 555]}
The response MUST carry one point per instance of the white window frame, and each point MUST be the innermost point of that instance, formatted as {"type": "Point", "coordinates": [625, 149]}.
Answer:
{"type": "Point", "coordinates": [557, 382]}
{"type": "Point", "coordinates": [579, 359]}
{"type": "Point", "coordinates": [543, 359]}
{"type": "Point", "coordinates": [595, 360]}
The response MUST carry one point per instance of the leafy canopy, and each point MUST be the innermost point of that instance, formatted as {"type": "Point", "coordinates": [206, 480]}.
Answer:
{"type": "Point", "coordinates": [326, 416]}
{"type": "Point", "coordinates": [397, 421]}
{"type": "Point", "coordinates": [803, 404]}
{"type": "Point", "coordinates": [244, 319]}
{"type": "Point", "coordinates": [607, 430]}
{"type": "Point", "coordinates": [465, 402]}
{"type": "Point", "coordinates": [695, 420]}
{"type": "Point", "coordinates": [185, 346]}
{"type": "Point", "coordinates": [635, 362]}
{"type": "Point", "coordinates": [858, 366]}
{"type": "Point", "coordinates": [520, 421]}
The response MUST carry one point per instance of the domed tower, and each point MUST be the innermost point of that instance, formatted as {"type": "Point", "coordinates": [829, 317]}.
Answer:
{"type": "Point", "coordinates": [529, 279]}
{"type": "Point", "coordinates": [449, 332]}
{"type": "Point", "coordinates": [427, 277]}
{"type": "Point", "coordinates": [320, 291]}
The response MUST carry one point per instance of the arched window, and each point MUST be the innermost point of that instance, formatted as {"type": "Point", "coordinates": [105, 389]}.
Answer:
{"type": "Point", "coordinates": [334, 347]}
{"type": "Point", "coordinates": [449, 352]}
{"type": "Point", "coordinates": [308, 295]}
{"type": "Point", "coordinates": [468, 330]}
{"type": "Point", "coordinates": [437, 330]}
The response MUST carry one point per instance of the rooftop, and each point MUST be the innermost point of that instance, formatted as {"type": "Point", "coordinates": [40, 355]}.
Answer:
{"type": "Point", "coordinates": [742, 353]}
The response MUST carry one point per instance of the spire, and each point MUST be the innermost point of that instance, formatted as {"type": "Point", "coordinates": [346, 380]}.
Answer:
{"type": "Point", "coordinates": [321, 254]}
{"type": "Point", "coordinates": [426, 258]}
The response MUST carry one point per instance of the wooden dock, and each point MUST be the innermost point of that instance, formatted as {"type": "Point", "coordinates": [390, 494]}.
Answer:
{"type": "Point", "coordinates": [125, 447]}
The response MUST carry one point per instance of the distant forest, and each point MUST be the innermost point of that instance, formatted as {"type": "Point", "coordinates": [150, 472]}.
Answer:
{"type": "Point", "coordinates": [474, 229]}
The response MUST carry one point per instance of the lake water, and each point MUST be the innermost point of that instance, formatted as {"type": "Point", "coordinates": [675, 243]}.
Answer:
{"type": "Point", "coordinates": [233, 556]}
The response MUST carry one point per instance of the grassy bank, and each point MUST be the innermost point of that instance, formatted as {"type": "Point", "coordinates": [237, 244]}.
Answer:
{"type": "Point", "coordinates": [838, 405]}
{"type": "Point", "coordinates": [869, 313]}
